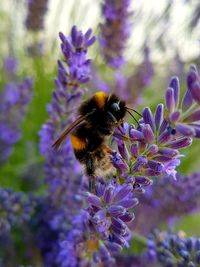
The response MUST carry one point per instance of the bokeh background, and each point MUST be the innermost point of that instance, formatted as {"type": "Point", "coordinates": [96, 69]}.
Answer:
{"type": "Point", "coordinates": [164, 41]}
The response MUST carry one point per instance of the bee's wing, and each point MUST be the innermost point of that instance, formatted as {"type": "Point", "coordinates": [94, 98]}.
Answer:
{"type": "Point", "coordinates": [68, 129]}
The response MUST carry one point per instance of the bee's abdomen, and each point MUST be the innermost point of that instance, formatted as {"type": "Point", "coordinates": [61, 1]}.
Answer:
{"type": "Point", "coordinates": [102, 162]}
{"type": "Point", "coordinates": [78, 143]}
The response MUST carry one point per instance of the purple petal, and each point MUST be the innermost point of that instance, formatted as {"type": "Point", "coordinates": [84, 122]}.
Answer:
{"type": "Point", "coordinates": [175, 85]}
{"type": "Point", "coordinates": [153, 149]}
{"type": "Point", "coordinates": [150, 172]}
{"type": "Point", "coordinates": [163, 126]}
{"type": "Point", "coordinates": [134, 149]}
{"type": "Point", "coordinates": [164, 137]}
{"type": "Point", "coordinates": [142, 180]}
{"type": "Point", "coordinates": [91, 41]}
{"type": "Point", "coordinates": [170, 101]}
{"type": "Point", "coordinates": [108, 194]}
{"type": "Point", "coordinates": [127, 217]}
{"type": "Point", "coordinates": [169, 152]}
{"type": "Point", "coordinates": [148, 133]}
{"type": "Point", "coordinates": [135, 134]}
{"type": "Point", "coordinates": [195, 116]}
{"type": "Point", "coordinates": [181, 143]}
{"type": "Point", "coordinates": [123, 150]}
{"type": "Point", "coordinates": [116, 210]}
{"type": "Point", "coordinates": [192, 77]}
{"type": "Point", "coordinates": [114, 247]}
{"type": "Point", "coordinates": [148, 118]}
{"type": "Point", "coordinates": [184, 129]}
{"type": "Point", "coordinates": [74, 35]}
{"type": "Point", "coordinates": [197, 130]}
{"type": "Point", "coordinates": [88, 34]}
{"type": "Point", "coordinates": [94, 200]}
{"type": "Point", "coordinates": [154, 165]}
{"type": "Point", "coordinates": [119, 164]}
{"type": "Point", "coordinates": [162, 158]}
{"type": "Point", "coordinates": [118, 231]}
{"type": "Point", "coordinates": [159, 115]}
{"type": "Point", "coordinates": [187, 101]}
{"type": "Point", "coordinates": [128, 203]}
{"type": "Point", "coordinates": [195, 91]}
{"type": "Point", "coordinates": [142, 160]}
{"type": "Point", "coordinates": [123, 192]}
{"type": "Point", "coordinates": [175, 116]}
{"type": "Point", "coordinates": [99, 216]}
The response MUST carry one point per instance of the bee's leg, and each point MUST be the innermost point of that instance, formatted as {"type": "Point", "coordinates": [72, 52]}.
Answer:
{"type": "Point", "coordinates": [90, 173]}
{"type": "Point", "coordinates": [92, 187]}
{"type": "Point", "coordinates": [107, 149]}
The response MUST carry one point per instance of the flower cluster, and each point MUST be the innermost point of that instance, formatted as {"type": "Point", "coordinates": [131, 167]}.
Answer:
{"type": "Point", "coordinates": [149, 150]}
{"type": "Point", "coordinates": [153, 148]}
{"type": "Point", "coordinates": [62, 172]}
{"type": "Point", "coordinates": [184, 116]}
{"type": "Point", "coordinates": [59, 166]}
{"type": "Point", "coordinates": [111, 209]}
{"type": "Point", "coordinates": [101, 230]}
{"type": "Point", "coordinates": [115, 31]}
{"type": "Point", "coordinates": [174, 250]}
{"type": "Point", "coordinates": [35, 17]}
{"type": "Point", "coordinates": [10, 65]}
{"type": "Point", "coordinates": [14, 100]}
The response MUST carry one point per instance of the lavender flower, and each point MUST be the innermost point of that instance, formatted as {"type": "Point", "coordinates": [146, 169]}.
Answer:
{"type": "Point", "coordinates": [14, 101]}
{"type": "Point", "coordinates": [111, 209]}
{"type": "Point", "coordinates": [154, 152]}
{"type": "Point", "coordinates": [171, 249]}
{"type": "Point", "coordinates": [184, 117]}
{"type": "Point", "coordinates": [60, 164]}
{"type": "Point", "coordinates": [115, 31]}
{"type": "Point", "coordinates": [35, 17]}
{"type": "Point", "coordinates": [62, 172]}
{"type": "Point", "coordinates": [101, 230]}
{"type": "Point", "coordinates": [10, 65]}
{"type": "Point", "coordinates": [154, 145]}
{"type": "Point", "coordinates": [82, 246]}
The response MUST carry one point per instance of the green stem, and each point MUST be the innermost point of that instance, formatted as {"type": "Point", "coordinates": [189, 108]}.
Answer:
{"type": "Point", "coordinates": [140, 239]}
{"type": "Point", "coordinates": [188, 112]}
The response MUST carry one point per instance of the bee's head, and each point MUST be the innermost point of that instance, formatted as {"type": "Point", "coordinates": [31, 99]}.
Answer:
{"type": "Point", "coordinates": [115, 107]}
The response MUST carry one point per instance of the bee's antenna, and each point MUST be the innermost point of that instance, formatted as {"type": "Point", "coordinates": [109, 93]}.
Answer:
{"type": "Point", "coordinates": [134, 111]}
{"type": "Point", "coordinates": [133, 117]}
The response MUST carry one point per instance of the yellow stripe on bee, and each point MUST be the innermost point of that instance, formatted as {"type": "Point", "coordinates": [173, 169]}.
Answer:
{"type": "Point", "coordinates": [77, 143]}
{"type": "Point", "coordinates": [100, 98]}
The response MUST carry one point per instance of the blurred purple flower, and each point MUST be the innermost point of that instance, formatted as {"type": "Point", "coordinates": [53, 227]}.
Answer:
{"type": "Point", "coordinates": [36, 12]}
{"type": "Point", "coordinates": [174, 249]}
{"type": "Point", "coordinates": [184, 118]}
{"type": "Point", "coordinates": [115, 31]}
{"type": "Point", "coordinates": [60, 165]}
{"type": "Point", "coordinates": [10, 65]}
{"type": "Point", "coordinates": [62, 171]}
{"type": "Point", "coordinates": [14, 100]}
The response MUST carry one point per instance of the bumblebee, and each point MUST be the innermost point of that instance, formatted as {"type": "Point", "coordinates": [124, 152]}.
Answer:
{"type": "Point", "coordinates": [99, 116]}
